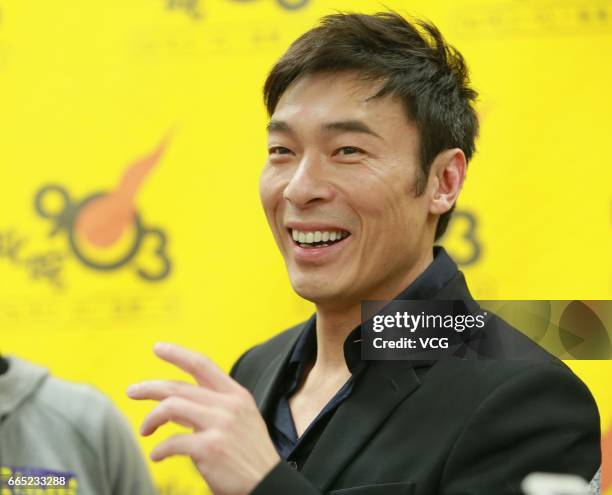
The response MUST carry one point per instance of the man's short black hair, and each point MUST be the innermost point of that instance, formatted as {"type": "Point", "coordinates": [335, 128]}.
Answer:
{"type": "Point", "coordinates": [414, 63]}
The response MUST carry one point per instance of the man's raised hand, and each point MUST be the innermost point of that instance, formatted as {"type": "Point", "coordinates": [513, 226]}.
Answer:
{"type": "Point", "coordinates": [229, 442]}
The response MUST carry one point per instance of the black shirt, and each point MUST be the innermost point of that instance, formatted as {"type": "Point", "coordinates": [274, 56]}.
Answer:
{"type": "Point", "coordinates": [280, 421]}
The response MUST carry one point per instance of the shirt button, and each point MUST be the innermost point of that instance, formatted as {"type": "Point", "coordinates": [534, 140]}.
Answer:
{"type": "Point", "coordinates": [293, 465]}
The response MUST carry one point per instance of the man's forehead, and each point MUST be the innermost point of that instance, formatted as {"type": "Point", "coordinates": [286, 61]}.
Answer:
{"type": "Point", "coordinates": [327, 86]}
{"type": "Point", "coordinates": [335, 103]}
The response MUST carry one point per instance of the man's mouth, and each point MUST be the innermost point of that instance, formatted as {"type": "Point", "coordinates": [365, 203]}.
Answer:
{"type": "Point", "coordinates": [317, 238]}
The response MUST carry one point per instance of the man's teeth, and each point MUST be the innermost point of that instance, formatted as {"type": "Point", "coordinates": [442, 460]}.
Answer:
{"type": "Point", "coordinates": [317, 236]}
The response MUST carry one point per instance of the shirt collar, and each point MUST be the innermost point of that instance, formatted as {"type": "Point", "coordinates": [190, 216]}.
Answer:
{"type": "Point", "coordinates": [425, 286]}
{"type": "Point", "coordinates": [433, 279]}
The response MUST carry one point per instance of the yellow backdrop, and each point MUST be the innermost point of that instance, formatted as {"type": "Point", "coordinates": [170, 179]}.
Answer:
{"type": "Point", "coordinates": [169, 92]}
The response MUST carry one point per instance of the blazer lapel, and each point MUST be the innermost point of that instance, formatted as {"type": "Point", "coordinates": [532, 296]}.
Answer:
{"type": "Point", "coordinates": [378, 392]}
{"type": "Point", "coordinates": [383, 386]}
{"type": "Point", "coordinates": [381, 389]}
{"type": "Point", "coordinates": [268, 382]}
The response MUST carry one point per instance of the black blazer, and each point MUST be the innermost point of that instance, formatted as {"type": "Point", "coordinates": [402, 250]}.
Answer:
{"type": "Point", "coordinates": [452, 427]}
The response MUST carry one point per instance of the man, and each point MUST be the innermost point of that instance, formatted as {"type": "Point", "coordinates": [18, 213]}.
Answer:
{"type": "Point", "coordinates": [371, 129]}
{"type": "Point", "coordinates": [63, 438]}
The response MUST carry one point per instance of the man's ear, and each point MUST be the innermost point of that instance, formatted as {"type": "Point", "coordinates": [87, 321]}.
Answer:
{"type": "Point", "coordinates": [446, 175]}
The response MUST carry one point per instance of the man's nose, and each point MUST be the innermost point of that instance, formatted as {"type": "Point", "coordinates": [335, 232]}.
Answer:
{"type": "Point", "coordinates": [309, 183]}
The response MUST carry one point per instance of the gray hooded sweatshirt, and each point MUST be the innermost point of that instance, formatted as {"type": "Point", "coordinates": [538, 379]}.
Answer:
{"type": "Point", "coordinates": [66, 435]}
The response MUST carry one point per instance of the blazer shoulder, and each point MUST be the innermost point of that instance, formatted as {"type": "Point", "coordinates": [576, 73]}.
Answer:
{"type": "Point", "coordinates": [255, 360]}
{"type": "Point", "coordinates": [476, 384]}
{"type": "Point", "coordinates": [488, 375]}
{"type": "Point", "coordinates": [528, 409]}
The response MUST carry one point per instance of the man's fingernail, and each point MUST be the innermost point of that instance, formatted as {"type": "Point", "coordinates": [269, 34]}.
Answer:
{"type": "Point", "coordinates": [133, 389]}
{"type": "Point", "coordinates": [160, 346]}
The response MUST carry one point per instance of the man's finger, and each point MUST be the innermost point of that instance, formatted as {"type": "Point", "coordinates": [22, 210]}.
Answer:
{"type": "Point", "coordinates": [177, 410]}
{"type": "Point", "coordinates": [182, 444]}
{"type": "Point", "coordinates": [203, 370]}
{"type": "Point", "coordinates": [162, 389]}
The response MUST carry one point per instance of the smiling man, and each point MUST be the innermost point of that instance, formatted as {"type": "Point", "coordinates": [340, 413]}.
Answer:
{"type": "Point", "coordinates": [371, 129]}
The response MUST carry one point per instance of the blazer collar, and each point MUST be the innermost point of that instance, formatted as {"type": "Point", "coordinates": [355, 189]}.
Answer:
{"type": "Point", "coordinates": [270, 378]}
{"type": "Point", "coordinates": [382, 387]}
{"type": "Point", "coordinates": [379, 391]}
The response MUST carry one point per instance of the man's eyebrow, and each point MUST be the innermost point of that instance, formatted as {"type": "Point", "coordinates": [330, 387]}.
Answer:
{"type": "Point", "coordinates": [340, 126]}
{"type": "Point", "coordinates": [278, 126]}
{"type": "Point", "coordinates": [350, 126]}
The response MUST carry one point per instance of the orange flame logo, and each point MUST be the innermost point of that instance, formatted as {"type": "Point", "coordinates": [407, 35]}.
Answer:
{"type": "Point", "coordinates": [103, 220]}
{"type": "Point", "coordinates": [105, 230]}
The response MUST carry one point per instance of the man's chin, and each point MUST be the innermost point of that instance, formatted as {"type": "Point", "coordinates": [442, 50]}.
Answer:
{"type": "Point", "coordinates": [315, 291]}
{"type": "Point", "coordinates": [322, 292]}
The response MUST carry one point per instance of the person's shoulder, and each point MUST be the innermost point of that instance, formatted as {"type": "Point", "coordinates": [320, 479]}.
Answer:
{"type": "Point", "coordinates": [526, 408]}
{"type": "Point", "coordinates": [80, 407]}
{"type": "Point", "coordinates": [86, 419]}
{"type": "Point", "coordinates": [257, 358]}
{"type": "Point", "coordinates": [514, 379]}
{"type": "Point", "coordinates": [495, 371]}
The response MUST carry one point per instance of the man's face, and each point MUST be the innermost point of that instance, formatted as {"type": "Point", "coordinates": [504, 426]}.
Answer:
{"type": "Point", "coordinates": [338, 190]}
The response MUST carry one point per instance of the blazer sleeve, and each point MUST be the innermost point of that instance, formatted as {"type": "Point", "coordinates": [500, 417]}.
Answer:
{"type": "Point", "coordinates": [283, 480]}
{"type": "Point", "coordinates": [542, 419]}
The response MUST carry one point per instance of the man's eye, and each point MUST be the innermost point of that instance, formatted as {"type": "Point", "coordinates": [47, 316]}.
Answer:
{"type": "Point", "coordinates": [348, 150]}
{"type": "Point", "coordinates": [279, 150]}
